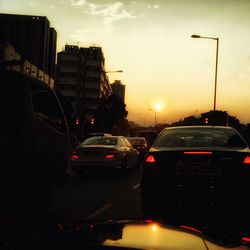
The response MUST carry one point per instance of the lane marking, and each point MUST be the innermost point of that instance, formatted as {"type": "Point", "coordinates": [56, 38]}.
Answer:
{"type": "Point", "coordinates": [98, 211]}
{"type": "Point", "coordinates": [136, 186]}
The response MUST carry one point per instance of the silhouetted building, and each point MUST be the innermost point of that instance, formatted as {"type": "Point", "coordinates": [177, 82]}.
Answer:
{"type": "Point", "coordinates": [96, 82]}
{"type": "Point", "coordinates": [82, 80]}
{"type": "Point", "coordinates": [119, 89]}
{"type": "Point", "coordinates": [31, 37]}
{"type": "Point", "coordinates": [69, 78]}
{"type": "Point", "coordinates": [52, 52]}
{"type": "Point", "coordinates": [11, 60]}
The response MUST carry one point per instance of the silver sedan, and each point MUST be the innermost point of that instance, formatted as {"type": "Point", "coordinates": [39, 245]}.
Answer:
{"type": "Point", "coordinates": [104, 152]}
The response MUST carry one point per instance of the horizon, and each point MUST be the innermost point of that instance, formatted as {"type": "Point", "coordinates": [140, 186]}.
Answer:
{"type": "Point", "coordinates": [152, 44]}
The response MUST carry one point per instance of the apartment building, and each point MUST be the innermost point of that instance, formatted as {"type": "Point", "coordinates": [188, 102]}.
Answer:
{"type": "Point", "coordinates": [119, 89]}
{"type": "Point", "coordinates": [32, 38]}
{"type": "Point", "coordinates": [82, 80]}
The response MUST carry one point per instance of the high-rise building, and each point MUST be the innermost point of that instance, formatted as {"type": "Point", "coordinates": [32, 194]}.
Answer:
{"type": "Point", "coordinates": [32, 38]}
{"type": "Point", "coordinates": [52, 53]}
{"type": "Point", "coordinates": [119, 89]}
{"type": "Point", "coordinates": [69, 78]}
{"type": "Point", "coordinates": [96, 82]}
{"type": "Point", "coordinates": [81, 79]}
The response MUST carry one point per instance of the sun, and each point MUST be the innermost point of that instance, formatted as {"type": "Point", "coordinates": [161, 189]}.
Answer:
{"type": "Point", "coordinates": [158, 107]}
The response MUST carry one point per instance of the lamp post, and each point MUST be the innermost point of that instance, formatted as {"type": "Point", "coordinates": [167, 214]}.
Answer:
{"type": "Point", "coordinates": [155, 114]}
{"type": "Point", "coordinates": [114, 71]}
{"type": "Point", "coordinates": [216, 64]}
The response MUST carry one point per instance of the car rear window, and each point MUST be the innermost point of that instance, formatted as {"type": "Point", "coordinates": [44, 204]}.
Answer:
{"type": "Point", "coordinates": [136, 141]}
{"type": "Point", "coordinates": [100, 141]}
{"type": "Point", "coordinates": [200, 138]}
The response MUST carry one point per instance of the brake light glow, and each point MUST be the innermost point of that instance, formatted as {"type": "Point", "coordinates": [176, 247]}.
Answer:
{"type": "Point", "coordinates": [150, 159]}
{"type": "Point", "coordinates": [75, 157]}
{"type": "Point", "coordinates": [111, 154]}
{"type": "Point", "coordinates": [149, 221]}
{"type": "Point", "coordinates": [246, 160]}
{"type": "Point", "coordinates": [246, 239]}
{"type": "Point", "coordinates": [197, 153]}
{"type": "Point", "coordinates": [191, 229]}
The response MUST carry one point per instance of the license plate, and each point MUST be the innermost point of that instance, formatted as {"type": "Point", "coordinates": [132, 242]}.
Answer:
{"type": "Point", "coordinates": [90, 153]}
{"type": "Point", "coordinates": [197, 170]}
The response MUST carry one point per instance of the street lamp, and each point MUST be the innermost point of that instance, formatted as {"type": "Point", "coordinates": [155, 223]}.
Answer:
{"type": "Point", "coordinates": [114, 71]}
{"type": "Point", "coordinates": [155, 114]}
{"type": "Point", "coordinates": [216, 64]}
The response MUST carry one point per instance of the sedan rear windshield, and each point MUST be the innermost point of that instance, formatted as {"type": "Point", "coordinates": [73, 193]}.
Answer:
{"type": "Point", "coordinates": [200, 138]}
{"type": "Point", "coordinates": [100, 141]}
{"type": "Point", "coordinates": [136, 141]}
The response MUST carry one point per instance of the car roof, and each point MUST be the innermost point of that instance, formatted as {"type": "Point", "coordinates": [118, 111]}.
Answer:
{"type": "Point", "coordinates": [136, 137]}
{"type": "Point", "coordinates": [199, 126]}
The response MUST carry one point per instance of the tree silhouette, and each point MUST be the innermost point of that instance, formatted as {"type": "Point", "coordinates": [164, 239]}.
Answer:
{"type": "Point", "coordinates": [110, 111]}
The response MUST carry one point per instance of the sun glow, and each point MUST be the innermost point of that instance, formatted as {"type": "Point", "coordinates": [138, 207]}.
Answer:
{"type": "Point", "coordinates": [158, 107]}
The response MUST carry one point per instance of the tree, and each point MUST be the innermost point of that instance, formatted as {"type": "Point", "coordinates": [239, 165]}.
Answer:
{"type": "Point", "coordinates": [220, 118]}
{"type": "Point", "coordinates": [189, 120]}
{"type": "Point", "coordinates": [110, 110]}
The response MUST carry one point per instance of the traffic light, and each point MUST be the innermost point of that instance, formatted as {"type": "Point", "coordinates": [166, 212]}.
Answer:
{"type": "Point", "coordinates": [206, 120]}
{"type": "Point", "coordinates": [92, 120]}
{"type": "Point", "coordinates": [77, 121]}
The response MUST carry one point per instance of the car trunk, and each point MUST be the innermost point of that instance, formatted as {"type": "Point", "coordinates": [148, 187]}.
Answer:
{"type": "Point", "coordinates": [94, 152]}
{"type": "Point", "coordinates": [203, 175]}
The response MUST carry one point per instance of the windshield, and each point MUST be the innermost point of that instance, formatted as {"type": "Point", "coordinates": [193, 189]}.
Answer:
{"type": "Point", "coordinates": [100, 141]}
{"type": "Point", "coordinates": [135, 141]}
{"type": "Point", "coordinates": [125, 109]}
{"type": "Point", "coordinates": [200, 138]}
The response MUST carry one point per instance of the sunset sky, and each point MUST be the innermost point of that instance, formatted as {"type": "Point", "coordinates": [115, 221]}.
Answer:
{"type": "Point", "coordinates": [151, 42]}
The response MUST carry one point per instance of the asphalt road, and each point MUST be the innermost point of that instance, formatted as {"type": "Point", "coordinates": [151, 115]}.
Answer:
{"type": "Point", "coordinates": [98, 196]}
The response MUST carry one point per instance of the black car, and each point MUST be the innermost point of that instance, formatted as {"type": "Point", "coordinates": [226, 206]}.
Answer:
{"type": "Point", "coordinates": [140, 144]}
{"type": "Point", "coordinates": [196, 169]}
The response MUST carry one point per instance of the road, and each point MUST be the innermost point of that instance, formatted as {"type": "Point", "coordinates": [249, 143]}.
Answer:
{"type": "Point", "coordinates": [98, 196]}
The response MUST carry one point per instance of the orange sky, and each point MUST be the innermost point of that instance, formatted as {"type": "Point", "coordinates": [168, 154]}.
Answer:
{"type": "Point", "coordinates": [151, 42]}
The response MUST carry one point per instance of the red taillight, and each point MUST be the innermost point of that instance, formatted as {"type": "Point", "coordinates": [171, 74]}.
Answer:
{"type": "Point", "coordinates": [149, 221]}
{"type": "Point", "coordinates": [197, 153]}
{"type": "Point", "coordinates": [246, 160]}
{"type": "Point", "coordinates": [150, 159]}
{"type": "Point", "coordinates": [190, 228]}
{"type": "Point", "coordinates": [74, 155]}
{"type": "Point", "coordinates": [246, 239]}
{"type": "Point", "coordinates": [111, 154]}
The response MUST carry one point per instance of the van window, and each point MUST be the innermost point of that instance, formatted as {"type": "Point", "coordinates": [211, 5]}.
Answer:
{"type": "Point", "coordinates": [47, 107]}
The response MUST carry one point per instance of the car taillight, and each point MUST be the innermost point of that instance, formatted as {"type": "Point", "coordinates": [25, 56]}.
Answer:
{"type": "Point", "coordinates": [111, 154]}
{"type": "Point", "coordinates": [150, 159]}
{"type": "Point", "coordinates": [247, 160]}
{"type": "Point", "coordinates": [197, 153]}
{"type": "Point", "coordinates": [74, 156]}
{"type": "Point", "coordinates": [191, 229]}
{"type": "Point", "coordinates": [246, 239]}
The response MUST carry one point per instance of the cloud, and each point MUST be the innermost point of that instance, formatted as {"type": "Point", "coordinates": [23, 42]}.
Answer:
{"type": "Point", "coordinates": [78, 3]}
{"type": "Point", "coordinates": [110, 13]}
{"type": "Point", "coordinates": [113, 11]}
{"type": "Point", "coordinates": [153, 6]}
